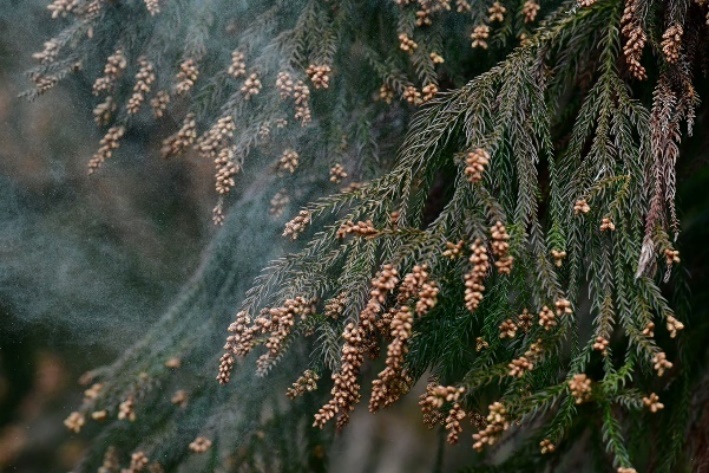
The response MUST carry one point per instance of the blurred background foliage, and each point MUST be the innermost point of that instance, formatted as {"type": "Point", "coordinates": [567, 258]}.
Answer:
{"type": "Point", "coordinates": [86, 264]}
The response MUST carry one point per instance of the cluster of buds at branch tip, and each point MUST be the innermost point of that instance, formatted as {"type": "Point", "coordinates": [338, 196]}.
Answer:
{"type": "Point", "coordinates": [581, 207]}
{"type": "Point", "coordinates": [601, 345]}
{"type": "Point", "coordinates": [237, 68]}
{"type": "Point", "coordinates": [305, 383]}
{"type": "Point", "coordinates": [479, 36]}
{"type": "Point", "coordinates": [545, 446]}
{"type": "Point", "coordinates": [653, 403]}
{"type": "Point", "coordinates": [473, 279]}
{"type": "Point", "coordinates": [296, 226]}
{"type": "Point", "coordinates": [558, 256]}
{"type": "Point", "coordinates": [319, 75]}
{"type": "Point", "coordinates": [200, 445]}
{"type": "Point", "coordinates": [500, 248]}
{"type": "Point", "coordinates": [580, 387]}
{"type": "Point", "coordinates": [453, 250]}
{"type": "Point", "coordinates": [673, 326]}
{"type": "Point", "coordinates": [607, 224]}
{"type": "Point", "coordinates": [186, 77]}
{"type": "Point", "coordinates": [337, 173]}
{"type": "Point", "coordinates": [496, 12]}
{"type": "Point", "coordinates": [530, 10]}
{"type": "Point", "coordinates": [407, 44]}
{"type": "Point", "coordinates": [475, 163]}
{"type": "Point", "coordinates": [635, 39]}
{"type": "Point", "coordinates": [497, 423]}
{"type": "Point", "coordinates": [660, 363]}
{"type": "Point", "coordinates": [360, 228]}
{"type": "Point", "coordinates": [412, 95]}
{"type": "Point", "coordinates": [251, 86]}
{"type": "Point", "coordinates": [671, 256]}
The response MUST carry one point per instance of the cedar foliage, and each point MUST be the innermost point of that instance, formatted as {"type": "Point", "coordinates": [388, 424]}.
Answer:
{"type": "Point", "coordinates": [548, 149]}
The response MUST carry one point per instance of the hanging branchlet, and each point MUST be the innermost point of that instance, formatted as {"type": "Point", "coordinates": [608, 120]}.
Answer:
{"type": "Point", "coordinates": [281, 321]}
{"type": "Point", "coordinates": [672, 42]}
{"type": "Point", "coordinates": [393, 382]}
{"type": "Point", "coordinates": [635, 39]}
{"type": "Point", "coordinates": [358, 338]}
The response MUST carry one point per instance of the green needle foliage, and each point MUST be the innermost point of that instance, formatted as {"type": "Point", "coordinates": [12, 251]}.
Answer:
{"type": "Point", "coordinates": [506, 228]}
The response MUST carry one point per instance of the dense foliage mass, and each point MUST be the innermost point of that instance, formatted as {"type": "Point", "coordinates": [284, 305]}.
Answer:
{"type": "Point", "coordinates": [481, 194]}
